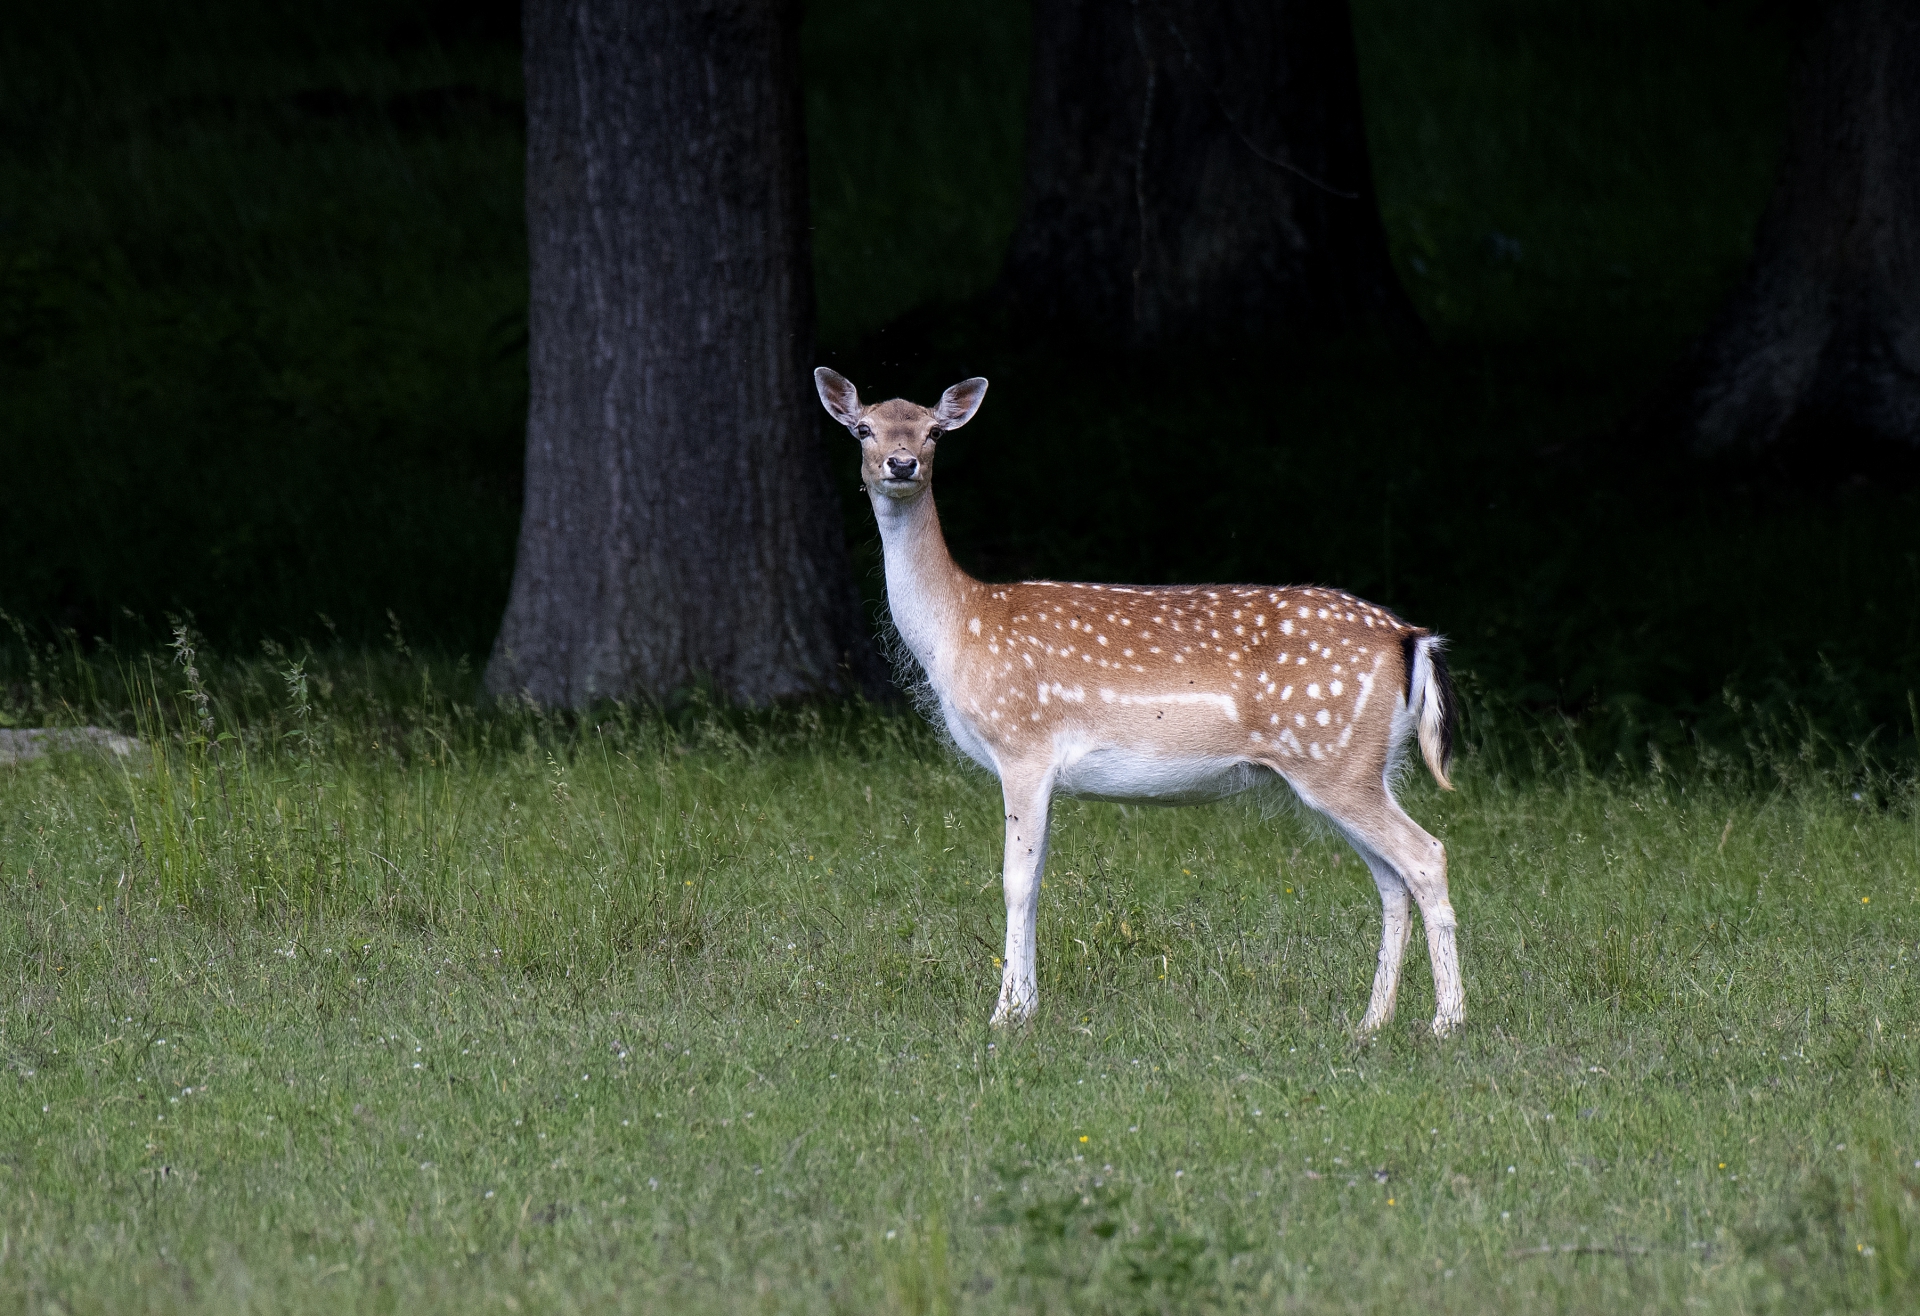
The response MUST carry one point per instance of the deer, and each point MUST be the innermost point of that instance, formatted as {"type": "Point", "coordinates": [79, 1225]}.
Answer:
{"type": "Point", "coordinates": [1162, 694]}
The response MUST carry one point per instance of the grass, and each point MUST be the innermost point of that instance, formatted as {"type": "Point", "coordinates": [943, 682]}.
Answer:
{"type": "Point", "coordinates": [358, 993]}
{"type": "Point", "coordinates": [359, 996]}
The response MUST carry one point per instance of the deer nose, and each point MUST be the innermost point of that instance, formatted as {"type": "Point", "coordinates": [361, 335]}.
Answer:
{"type": "Point", "coordinates": [902, 468]}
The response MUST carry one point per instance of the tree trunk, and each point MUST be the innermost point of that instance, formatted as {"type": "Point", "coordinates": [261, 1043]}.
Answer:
{"type": "Point", "coordinates": [1821, 343]}
{"type": "Point", "coordinates": [1199, 167]}
{"type": "Point", "coordinates": [680, 523]}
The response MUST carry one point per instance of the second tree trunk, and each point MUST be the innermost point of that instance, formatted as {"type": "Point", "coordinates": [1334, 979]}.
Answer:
{"type": "Point", "coordinates": [1199, 167]}
{"type": "Point", "coordinates": [1819, 347]}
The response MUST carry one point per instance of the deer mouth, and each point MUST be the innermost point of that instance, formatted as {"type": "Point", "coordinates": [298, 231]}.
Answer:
{"type": "Point", "coordinates": [898, 486]}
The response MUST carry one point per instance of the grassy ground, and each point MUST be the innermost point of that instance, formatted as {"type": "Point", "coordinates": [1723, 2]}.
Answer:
{"type": "Point", "coordinates": [382, 1002]}
{"type": "Point", "coordinates": [388, 1001]}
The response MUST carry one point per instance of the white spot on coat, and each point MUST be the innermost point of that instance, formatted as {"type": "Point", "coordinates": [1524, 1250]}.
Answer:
{"type": "Point", "coordinates": [1223, 702]}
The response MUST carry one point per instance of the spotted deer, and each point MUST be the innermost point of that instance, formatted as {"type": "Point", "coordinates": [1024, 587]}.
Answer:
{"type": "Point", "coordinates": [1164, 694]}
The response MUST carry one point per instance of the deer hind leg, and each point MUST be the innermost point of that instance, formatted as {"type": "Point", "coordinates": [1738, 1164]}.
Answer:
{"type": "Point", "coordinates": [1396, 923]}
{"type": "Point", "coordinates": [1382, 827]}
{"type": "Point", "coordinates": [1029, 802]}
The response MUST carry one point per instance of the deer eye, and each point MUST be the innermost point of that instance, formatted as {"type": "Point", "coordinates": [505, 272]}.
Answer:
{"type": "Point", "coordinates": [862, 432]}
{"type": "Point", "coordinates": [934, 433]}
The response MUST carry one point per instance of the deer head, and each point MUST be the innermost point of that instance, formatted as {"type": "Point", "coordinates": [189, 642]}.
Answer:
{"type": "Point", "coordinates": [897, 438]}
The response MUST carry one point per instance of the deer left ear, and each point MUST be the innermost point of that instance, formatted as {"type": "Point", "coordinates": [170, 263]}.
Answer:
{"type": "Point", "coordinates": [958, 403]}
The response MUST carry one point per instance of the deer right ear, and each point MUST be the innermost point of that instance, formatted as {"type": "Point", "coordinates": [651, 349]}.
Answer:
{"type": "Point", "coordinates": [837, 395]}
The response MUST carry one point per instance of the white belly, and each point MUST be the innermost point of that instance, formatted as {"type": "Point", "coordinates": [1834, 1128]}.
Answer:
{"type": "Point", "coordinates": [1111, 773]}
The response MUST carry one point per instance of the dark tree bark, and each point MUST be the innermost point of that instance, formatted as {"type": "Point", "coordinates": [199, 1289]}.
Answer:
{"type": "Point", "coordinates": [1821, 342]}
{"type": "Point", "coordinates": [1199, 167]}
{"type": "Point", "coordinates": [680, 522]}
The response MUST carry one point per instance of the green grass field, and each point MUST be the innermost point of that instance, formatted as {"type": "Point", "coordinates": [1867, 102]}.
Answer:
{"type": "Point", "coordinates": [376, 1001]}
{"type": "Point", "coordinates": [359, 993]}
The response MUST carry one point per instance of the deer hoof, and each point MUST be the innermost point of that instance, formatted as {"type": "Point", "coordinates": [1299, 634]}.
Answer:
{"type": "Point", "coordinates": [1013, 1011]}
{"type": "Point", "coordinates": [1446, 1025]}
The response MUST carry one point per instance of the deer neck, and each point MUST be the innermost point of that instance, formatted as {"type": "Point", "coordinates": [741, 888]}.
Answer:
{"type": "Point", "coordinates": [926, 591]}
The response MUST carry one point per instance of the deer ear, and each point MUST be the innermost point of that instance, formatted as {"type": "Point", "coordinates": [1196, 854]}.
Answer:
{"type": "Point", "coordinates": [837, 395]}
{"type": "Point", "coordinates": [958, 403]}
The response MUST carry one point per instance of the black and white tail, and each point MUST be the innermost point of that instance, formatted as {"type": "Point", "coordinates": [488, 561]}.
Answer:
{"type": "Point", "coordinates": [1430, 700]}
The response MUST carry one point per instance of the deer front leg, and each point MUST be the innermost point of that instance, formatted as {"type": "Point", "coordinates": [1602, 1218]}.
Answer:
{"type": "Point", "coordinates": [1028, 804]}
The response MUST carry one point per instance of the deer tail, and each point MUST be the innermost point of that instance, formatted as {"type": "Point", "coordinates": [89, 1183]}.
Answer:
{"type": "Point", "coordinates": [1431, 701]}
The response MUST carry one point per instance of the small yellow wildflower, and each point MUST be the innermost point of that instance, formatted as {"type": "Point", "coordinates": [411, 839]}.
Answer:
{"type": "Point", "coordinates": [1083, 1137]}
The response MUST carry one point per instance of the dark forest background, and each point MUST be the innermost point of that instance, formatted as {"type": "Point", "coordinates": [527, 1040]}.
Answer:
{"type": "Point", "coordinates": [262, 352]}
